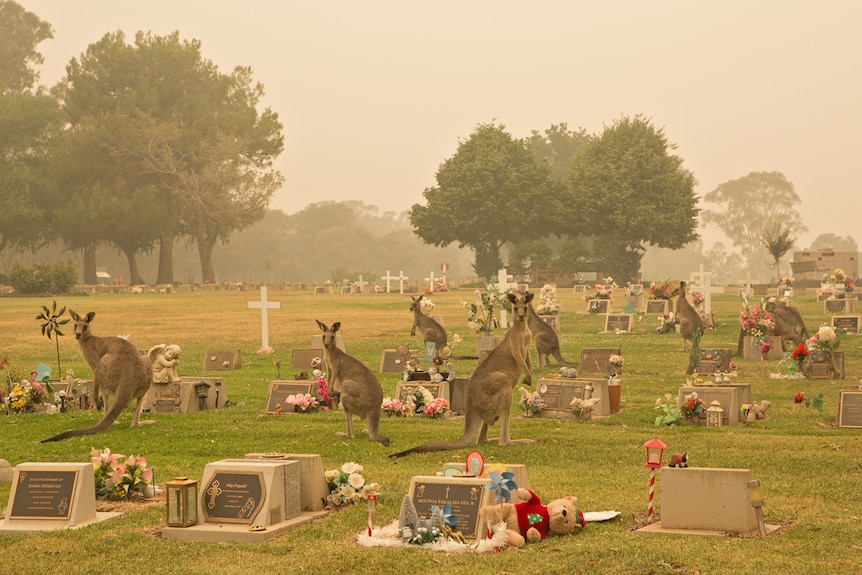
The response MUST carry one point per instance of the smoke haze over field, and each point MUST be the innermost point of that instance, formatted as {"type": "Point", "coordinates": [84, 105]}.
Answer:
{"type": "Point", "coordinates": [375, 95]}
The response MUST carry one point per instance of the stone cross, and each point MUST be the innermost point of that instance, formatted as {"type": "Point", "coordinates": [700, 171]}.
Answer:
{"type": "Point", "coordinates": [431, 283]}
{"type": "Point", "coordinates": [361, 284]}
{"type": "Point", "coordinates": [264, 307]}
{"type": "Point", "coordinates": [702, 282]}
{"type": "Point", "coordinates": [388, 277]}
{"type": "Point", "coordinates": [401, 279]}
{"type": "Point", "coordinates": [504, 285]}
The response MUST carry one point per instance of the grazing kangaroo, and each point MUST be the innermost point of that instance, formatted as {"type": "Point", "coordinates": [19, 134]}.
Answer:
{"type": "Point", "coordinates": [429, 329]}
{"type": "Point", "coordinates": [789, 326]}
{"type": "Point", "coordinates": [687, 317]}
{"type": "Point", "coordinates": [118, 371]}
{"type": "Point", "coordinates": [490, 388]}
{"type": "Point", "coordinates": [545, 338]}
{"type": "Point", "coordinates": [360, 393]}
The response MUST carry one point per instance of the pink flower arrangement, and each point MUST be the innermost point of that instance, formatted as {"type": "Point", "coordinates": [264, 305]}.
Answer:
{"type": "Point", "coordinates": [765, 346]}
{"type": "Point", "coordinates": [392, 407]}
{"type": "Point", "coordinates": [115, 480]}
{"type": "Point", "coordinates": [755, 320]}
{"type": "Point", "coordinates": [436, 408]}
{"type": "Point", "coordinates": [323, 396]}
{"type": "Point", "coordinates": [301, 402]}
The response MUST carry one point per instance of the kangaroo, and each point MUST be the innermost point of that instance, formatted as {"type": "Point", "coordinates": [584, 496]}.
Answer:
{"type": "Point", "coordinates": [687, 317]}
{"type": "Point", "coordinates": [360, 393]}
{"type": "Point", "coordinates": [429, 329]}
{"type": "Point", "coordinates": [118, 371]}
{"type": "Point", "coordinates": [545, 338]}
{"type": "Point", "coordinates": [490, 388]}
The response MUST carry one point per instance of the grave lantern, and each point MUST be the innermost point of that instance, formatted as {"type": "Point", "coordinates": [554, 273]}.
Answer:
{"type": "Point", "coordinates": [182, 502]}
{"type": "Point", "coordinates": [202, 388]}
{"type": "Point", "coordinates": [714, 414]}
{"type": "Point", "coordinates": [756, 497]}
{"type": "Point", "coordinates": [655, 452]}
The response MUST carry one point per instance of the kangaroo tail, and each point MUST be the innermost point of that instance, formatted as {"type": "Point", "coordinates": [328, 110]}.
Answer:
{"type": "Point", "coordinates": [465, 441]}
{"type": "Point", "coordinates": [560, 359]}
{"type": "Point", "coordinates": [110, 416]}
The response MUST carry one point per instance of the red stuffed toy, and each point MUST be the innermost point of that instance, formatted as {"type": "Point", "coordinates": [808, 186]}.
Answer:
{"type": "Point", "coordinates": [532, 521]}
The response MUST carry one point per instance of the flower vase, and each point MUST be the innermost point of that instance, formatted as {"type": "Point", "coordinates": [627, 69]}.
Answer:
{"type": "Point", "coordinates": [614, 396]}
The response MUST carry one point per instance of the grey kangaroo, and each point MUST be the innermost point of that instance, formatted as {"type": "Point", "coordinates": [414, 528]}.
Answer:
{"type": "Point", "coordinates": [118, 371]}
{"type": "Point", "coordinates": [490, 388]}
{"type": "Point", "coordinates": [686, 316]}
{"type": "Point", "coordinates": [360, 393]}
{"type": "Point", "coordinates": [429, 329]}
{"type": "Point", "coordinates": [789, 325]}
{"type": "Point", "coordinates": [545, 338]}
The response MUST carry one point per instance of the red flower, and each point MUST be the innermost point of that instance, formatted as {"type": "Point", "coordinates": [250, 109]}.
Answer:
{"type": "Point", "coordinates": [799, 397]}
{"type": "Point", "coordinates": [800, 352]}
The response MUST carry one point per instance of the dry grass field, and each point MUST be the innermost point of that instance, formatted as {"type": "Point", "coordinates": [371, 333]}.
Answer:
{"type": "Point", "coordinates": [809, 468]}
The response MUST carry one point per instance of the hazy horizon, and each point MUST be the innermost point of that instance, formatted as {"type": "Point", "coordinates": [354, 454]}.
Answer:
{"type": "Point", "coordinates": [374, 96]}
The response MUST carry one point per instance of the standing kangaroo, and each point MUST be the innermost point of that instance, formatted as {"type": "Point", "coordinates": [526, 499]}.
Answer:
{"type": "Point", "coordinates": [360, 393]}
{"type": "Point", "coordinates": [429, 329]}
{"type": "Point", "coordinates": [545, 338]}
{"type": "Point", "coordinates": [490, 388]}
{"type": "Point", "coordinates": [687, 317]}
{"type": "Point", "coordinates": [118, 371]}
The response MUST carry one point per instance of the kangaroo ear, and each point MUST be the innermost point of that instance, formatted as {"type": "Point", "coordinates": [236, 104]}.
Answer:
{"type": "Point", "coordinates": [321, 325]}
{"type": "Point", "coordinates": [528, 297]}
{"type": "Point", "coordinates": [90, 316]}
{"type": "Point", "coordinates": [511, 297]}
{"type": "Point", "coordinates": [74, 315]}
{"type": "Point", "coordinates": [336, 326]}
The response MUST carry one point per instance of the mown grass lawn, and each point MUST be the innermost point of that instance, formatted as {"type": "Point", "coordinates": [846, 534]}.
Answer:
{"type": "Point", "coordinates": [809, 468]}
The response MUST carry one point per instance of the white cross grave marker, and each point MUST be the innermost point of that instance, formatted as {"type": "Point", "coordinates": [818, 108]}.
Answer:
{"type": "Point", "coordinates": [361, 284]}
{"type": "Point", "coordinates": [264, 307]}
{"type": "Point", "coordinates": [401, 279]}
{"type": "Point", "coordinates": [388, 277]}
{"type": "Point", "coordinates": [431, 283]}
{"type": "Point", "coordinates": [503, 285]}
{"type": "Point", "coordinates": [702, 282]}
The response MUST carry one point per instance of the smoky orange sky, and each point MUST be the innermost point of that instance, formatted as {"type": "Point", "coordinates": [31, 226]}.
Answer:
{"type": "Point", "coordinates": [375, 95]}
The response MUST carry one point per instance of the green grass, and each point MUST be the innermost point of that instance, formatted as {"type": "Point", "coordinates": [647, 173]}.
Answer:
{"type": "Point", "coordinates": [809, 469]}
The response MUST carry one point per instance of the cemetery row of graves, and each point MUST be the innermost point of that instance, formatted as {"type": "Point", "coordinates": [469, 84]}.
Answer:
{"type": "Point", "coordinates": [624, 363]}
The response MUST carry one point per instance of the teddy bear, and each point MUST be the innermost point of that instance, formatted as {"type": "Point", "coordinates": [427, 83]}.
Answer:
{"type": "Point", "coordinates": [531, 521]}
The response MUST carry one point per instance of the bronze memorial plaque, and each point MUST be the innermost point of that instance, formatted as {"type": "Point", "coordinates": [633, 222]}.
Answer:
{"type": "Point", "coordinates": [279, 390]}
{"type": "Point", "coordinates": [599, 306]}
{"type": "Point", "coordinates": [301, 358]}
{"type": "Point", "coordinates": [850, 409]}
{"type": "Point", "coordinates": [405, 388]}
{"type": "Point", "coordinates": [466, 495]}
{"type": "Point", "coordinates": [720, 357]}
{"type": "Point", "coordinates": [657, 306]}
{"type": "Point", "coordinates": [619, 322]}
{"type": "Point", "coordinates": [558, 393]}
{"type": "Point", "coordinates": [847, 323]}
{"type": "Point", "coordinates": [44, 494]}
{"type": "Point", "coordinates": [222, 359]}
{"type": "Point", "coordinates": [835, 306]}
{"type": "Point", "coordinates": [595, 361]}
{"type": "Point", "coordinates": [393, 362]}
{"type": "Point", "coordinates": [233, 496]}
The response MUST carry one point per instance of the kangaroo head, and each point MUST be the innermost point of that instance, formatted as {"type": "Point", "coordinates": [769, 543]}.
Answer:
{"type": "Point", "coordinates": [414, 305]}
{"type": "Point", "coordinates": [328, 333]}
{"type": "Point", "coordinates": [680, 290]}
{"type": "Point", "coordinates": [82, 324]}
{"type": "Point", "coordinates": [520, 303]}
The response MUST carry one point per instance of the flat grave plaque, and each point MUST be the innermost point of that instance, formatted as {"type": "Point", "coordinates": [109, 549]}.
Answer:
{"type": "Point", "coordinates": [392, 361]}
{"type": "Point", "coordinates": [301, 358]}
{"type": "Point", "coordinates": [319, 289]}
{"type": "Point", "coordinates": [233, 496]}
{"type": "Point", "coordinates": [466, 495]}
{"type": "Point", "coordinates": [44, 494]}
{"type": "Point", "coordinates": [279, 390]}
{"type": "Point", "coordinates": [596, 361]}
{"type": "Point", "coordinates": [720, 358]}
{"type": "Point", "coordinates": [622, 322]}
{"type": "Point", "coordinates": [657, 306]}
{"type": "Point", "coordinates": [848, 323]}
{"type": "Point", "coordinates": [599, 306]}
{"type": "Point", "coordinates": [850, 409]}
{"type": "Point", "coordinates": [222, 359]}
{"type": "Point", "coordinates": [840, 306]}
{"type": "Point", "coordinates": [406, 388]}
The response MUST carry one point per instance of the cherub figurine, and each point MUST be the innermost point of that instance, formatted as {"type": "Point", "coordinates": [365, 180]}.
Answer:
{"type": "Point", "coordinates": [164, 359]}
